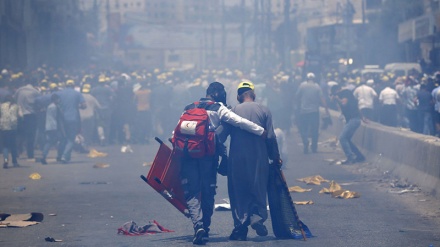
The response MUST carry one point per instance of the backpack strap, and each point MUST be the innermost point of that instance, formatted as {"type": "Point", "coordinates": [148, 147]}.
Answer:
{"type": "Point", "coordinates": [204, 105]}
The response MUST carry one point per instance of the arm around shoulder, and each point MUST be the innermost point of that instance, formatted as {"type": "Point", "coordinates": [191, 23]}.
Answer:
{"type": "Point", "coordinates": [228, 116]}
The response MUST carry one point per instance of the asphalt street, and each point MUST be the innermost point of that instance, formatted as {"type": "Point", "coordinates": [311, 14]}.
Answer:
{"type": "Point", "coordinates": [84, 206]}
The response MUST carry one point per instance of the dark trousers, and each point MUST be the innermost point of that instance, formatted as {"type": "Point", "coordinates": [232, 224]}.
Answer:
{"type": "Point", "coordinates": [199, 181]}
{"type": "Point", "coordinates": [9, 138]}
{"type": "Point", "coordinates": [367, 113]}
{"type": "Point", "coordinates": [412, 116]}
{"type": "Point", "coordinates": [351, 151]}
{"type": "Point", "coordinates": [308, 125]}
{"type": "Point", "coordinates": [27, 129]}
{"type": "Point", "coordinates": [71, 129]}
{"type": "Point", "coordinates": [52, 137]}
{"type": "Point", "coordinates": [388, 115]}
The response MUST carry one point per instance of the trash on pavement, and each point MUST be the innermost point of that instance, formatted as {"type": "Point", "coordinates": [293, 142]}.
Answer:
{"type": "Point", "coordinates": [333, 187]}
{"type": "Point", "coordinates": [126, 149]}
{"type": "Point", "coordinates": [316, 180]}
{"type": "Point", "coordinates": [226, 206]}
{"type": "Point", "coordinates": [304, 203]}
{"type": "Point", "coordinates": [132, 229]}
{"type": "Point", "coordinates": [52, 214]}
{"type": "Point", "coordinates": [19, 188]}
{"type": "Point", "coordinates": [345, 194]}
{"type": "Point", "coordinates": [404, 191]}
{"type": "Point", "coordinates": [35, 176]}
{"type": "Point", "coordinates": [331, 161]}
{"type": "Point", "coordinates": [50, 239]}
{"type": "Point", "coordinates": [101, 165]}
{"type": "Point", "coordinates": [298, 189]}
{"type": "Point", "coordinates": [94, 154]}
{"type": "Point", "coordinates": [20, 220]}
{"type": "Point", "coordinates": [147, 164]}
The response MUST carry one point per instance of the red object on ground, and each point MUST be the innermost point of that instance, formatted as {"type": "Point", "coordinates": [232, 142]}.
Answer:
{"type": "Point", "coordinates": [132, 229]}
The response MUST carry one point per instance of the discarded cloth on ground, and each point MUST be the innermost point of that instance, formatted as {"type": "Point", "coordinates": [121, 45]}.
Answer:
{"type": "Point", "coordinates": [298, 189]}
{"type": "Point", "coordinates": [303, 202]}
{"type": "Point", "coordinates": [35, 176]}
{"type": "Point", "coordinates": [316, 180]}
{"type": "Point", "coordinates": [93, 154]}
{"type": "Point", "coordinates": [20, 220]}
{"type": "Point", "coordinates": [132, 229]}
{"type": "Point", "coordinates": [345, 194]}
{"type": "Point", "coordinates": [333, 187]}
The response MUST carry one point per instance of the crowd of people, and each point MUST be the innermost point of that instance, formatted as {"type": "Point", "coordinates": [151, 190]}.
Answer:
{"type": "Point", "coordinates": [123, 107]}
{"type": "Point", "coordinates": [410, 101]}
{"type": "Point", "coordinates": [65, 110]}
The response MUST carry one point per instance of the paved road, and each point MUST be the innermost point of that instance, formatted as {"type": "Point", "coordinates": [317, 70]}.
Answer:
{"type": "Point", "coordinates": [91, 203]}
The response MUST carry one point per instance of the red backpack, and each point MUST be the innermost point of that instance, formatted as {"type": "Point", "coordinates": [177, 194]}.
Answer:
{"type": "Point", "coordinates": [192, 136]}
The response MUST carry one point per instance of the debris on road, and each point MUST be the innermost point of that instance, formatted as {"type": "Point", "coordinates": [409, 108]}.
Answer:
{"type": "Point", "coordinates": [101, 165]}
{"type": "Point", "coordinates": [316, 180]}
{"type": "Point", "coordinates": [132, 229]}
{"type": "Point", "coordinates": [147, 164]}
{"type": "Point", "coordinates": [304, 203]}
{"type": "Point", "coordinates": [298, 189]}
{"type": "Point", "coordinates": [226, 206]}
{"type": "Point", "coordinates": [94, 154]}
{"type": "Point", "coordinates": [345, 194]}
{"type": "Point", "coordinates": [20, 220]}
{"type": "Point", "coordinates": [35, 176]}
{"type": "Point", "coordinates": [126, 149]}
{"type": "Point", "coordinates": [19, 188]}
{"type": "Point", "coordinates": [412, 190]}
{"type": "Point", "coordinates": [333, 187]}
{"type": "Point", "coordinates": [50, 239]}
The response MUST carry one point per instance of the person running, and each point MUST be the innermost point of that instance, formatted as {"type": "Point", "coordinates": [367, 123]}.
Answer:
{"type": "Point", "coordinates": [70, 103]}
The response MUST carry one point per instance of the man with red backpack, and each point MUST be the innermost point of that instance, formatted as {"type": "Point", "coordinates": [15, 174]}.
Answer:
{"type": "Point", "coordinates": [195, 138]}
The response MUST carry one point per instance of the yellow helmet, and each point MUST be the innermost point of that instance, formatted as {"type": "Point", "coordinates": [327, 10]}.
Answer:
{"type": "Point", "coordinates": [246, 84]}
{"type": "Point", "coordinates": [70, 82]}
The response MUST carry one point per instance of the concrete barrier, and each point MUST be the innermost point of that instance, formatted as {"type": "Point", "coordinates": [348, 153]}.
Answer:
{"type": "Point", "coordinates": [406, 154]}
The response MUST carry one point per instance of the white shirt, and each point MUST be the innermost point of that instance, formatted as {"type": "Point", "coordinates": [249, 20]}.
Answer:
{"type": "Point", "coordinates": [365, 96]}
{"type": "Point", "coordinates": [388, 96]}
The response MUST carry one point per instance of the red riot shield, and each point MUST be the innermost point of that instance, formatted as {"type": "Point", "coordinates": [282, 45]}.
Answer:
{"type": "Point", "coordinates": [164, 177]}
